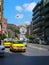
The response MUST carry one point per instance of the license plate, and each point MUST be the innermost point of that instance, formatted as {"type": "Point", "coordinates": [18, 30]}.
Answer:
{"type": "Point", "coordinates": [19, 47]}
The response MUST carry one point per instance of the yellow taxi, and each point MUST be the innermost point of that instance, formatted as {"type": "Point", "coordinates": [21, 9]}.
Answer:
{"type": "Point", "coordinates": [17, 46]}
{"type": "Point", "coordinates": [6, 43]}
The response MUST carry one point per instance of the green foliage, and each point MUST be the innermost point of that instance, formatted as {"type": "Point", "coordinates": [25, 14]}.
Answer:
{"type": "Point", "coordinates": [31, 37]}
{"type": "Point", "coordinates": [16, 35]}
{"type": "Point", "coordinates": [4, 36]}
{"type": "Point", "coordinates": [9, 34]}
{"type": "Point", "coordinates": [14, 29]}
{"type": "Point", "coordinates": [17, 31]}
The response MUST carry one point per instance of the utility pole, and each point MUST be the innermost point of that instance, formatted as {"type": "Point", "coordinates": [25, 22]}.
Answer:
{"type": "Point", "coordinates": [1, 16]}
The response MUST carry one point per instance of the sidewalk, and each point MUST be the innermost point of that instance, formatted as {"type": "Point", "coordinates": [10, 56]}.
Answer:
{"type": "Point", "coordinates": [41, 46]}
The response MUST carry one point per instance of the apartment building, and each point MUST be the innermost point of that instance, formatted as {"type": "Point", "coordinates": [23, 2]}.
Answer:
{"type": "Point", "coordinates": [1, 14]}
{"type": "Point", "coordinates": [4, 26]}
{"type": "Point", "coordinates": [29, 29]}
{"type": "Point", "coordinates": [41, 19]}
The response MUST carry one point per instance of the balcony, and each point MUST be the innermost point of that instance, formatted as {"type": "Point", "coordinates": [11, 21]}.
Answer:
{"type": "Point", "coordinates": [38, 30]}
{"type": "Point", "coordinates": [36, 17]}
{"type": "Point", "coordinates": [45, 10]}
{"type": "Point", "coordinates": [46, 23]}
{"type": "Point", "coordinates": [35, 26]}
{"type": "Point", "coordinates": [37, 14]}
{"type": "Point", "coordinates": [37, 20]}
{"type": "Point", "coordinates": [47, 2]}
{"type": "Point", "coordinates": [38, 9]}
{"type": "Point", "coordinates": [47, 16]}
{"type": "Point", "coordinates": [41, 25]}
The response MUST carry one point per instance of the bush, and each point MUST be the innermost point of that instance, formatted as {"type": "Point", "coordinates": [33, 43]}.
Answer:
{"type": "Point", "coordinates": [4, 36]}
{"type": "Point", "coordinates": [31, 37]}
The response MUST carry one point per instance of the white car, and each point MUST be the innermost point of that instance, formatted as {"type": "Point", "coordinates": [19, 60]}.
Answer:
{"type": "Point", "coordinates": [25, 42]}
{"type": "Point", "coordinates": [2, 48]}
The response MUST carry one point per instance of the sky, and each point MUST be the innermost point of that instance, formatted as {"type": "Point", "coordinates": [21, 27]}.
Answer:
{"type": "Point", "coordinates": [19, 11]}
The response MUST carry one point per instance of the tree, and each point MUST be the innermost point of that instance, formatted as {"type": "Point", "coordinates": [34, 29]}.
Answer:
{"type": "Point", "coordinates": [17, 31]}
{"type": "Point", "coordinates": [16, 35]}
{"type": "Point", "coordinates": [31, 37]}
{"type": "Point", "coordinates": [4, 36]}
{"type": "Point", "coordinates": [9, 34]}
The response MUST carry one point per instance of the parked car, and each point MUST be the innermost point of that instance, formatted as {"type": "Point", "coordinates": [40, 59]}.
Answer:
{"type": "Point", "coordinates": [25, 42]}
{"type": "Point", "coordinates": [2, 52]}
{"type": "Point", "coordinates": [42, 41]}
{"type": "Point", "coordinates": [30, 41]}
{"type": "Point", "coordinates": [35, 40]}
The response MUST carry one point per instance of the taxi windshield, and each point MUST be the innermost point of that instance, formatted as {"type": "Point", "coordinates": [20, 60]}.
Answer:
{"type": "Point", "coordinates": [18, 42]}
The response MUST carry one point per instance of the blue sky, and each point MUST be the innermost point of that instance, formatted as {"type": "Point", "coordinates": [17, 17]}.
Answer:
{"type": "Point", "coordinates": [19, 11]}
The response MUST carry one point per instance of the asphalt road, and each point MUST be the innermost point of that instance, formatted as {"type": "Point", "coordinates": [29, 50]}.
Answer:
{"type": "Point", "coordinates": [32, 56]}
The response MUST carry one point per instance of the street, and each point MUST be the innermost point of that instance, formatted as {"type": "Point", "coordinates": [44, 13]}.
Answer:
{"type": "Point", "coordinates": [24, 25]}
{"type": "Point", "coordinates": [32, 56]}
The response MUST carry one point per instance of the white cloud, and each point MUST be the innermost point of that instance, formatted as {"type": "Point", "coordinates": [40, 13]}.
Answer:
{"type": "Point", "coordinates": [19, 16]}
{"type": "Point", "coordinates": [26, 6]}
{"type": "Point", "coordinates": [19, 8]}
{"type": "Point", "coordinates": [29, 6]}
{"type": "Point", "coordinates": [27, 22]}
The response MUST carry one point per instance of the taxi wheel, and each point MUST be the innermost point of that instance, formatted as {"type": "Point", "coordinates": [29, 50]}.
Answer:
{"type": "Point", "coordinates": [24, 51]}
{"type": "Point", "coordinates": [10, 50]}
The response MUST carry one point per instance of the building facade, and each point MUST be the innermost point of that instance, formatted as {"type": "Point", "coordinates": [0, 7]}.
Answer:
{"type": "Point", "coordinates": [11, 34]}
{"type": "Point", "coordinates": [29, 29]}
{"type": "Point", "coordinates": [23, 31]}
{"type": "Point", "coordinates": [1, 14]}
{"type": "Point", "coordinates": [41, 19]}
{"type": "Point", "coordinates": [4, 26]}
